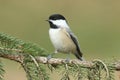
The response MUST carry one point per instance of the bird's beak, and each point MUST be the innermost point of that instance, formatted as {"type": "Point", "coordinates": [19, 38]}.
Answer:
{"type": "Point", "coordinates": [47, 20]}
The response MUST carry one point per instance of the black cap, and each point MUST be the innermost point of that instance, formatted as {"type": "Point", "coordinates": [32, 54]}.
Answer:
{"type": "Point", "coordinates": [56, 17]}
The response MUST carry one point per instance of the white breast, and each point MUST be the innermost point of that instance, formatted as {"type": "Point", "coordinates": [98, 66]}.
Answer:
{"type": "Point", "coordinates": [55, 37]}
{"type": "Point", "coordinates": [61, 41]}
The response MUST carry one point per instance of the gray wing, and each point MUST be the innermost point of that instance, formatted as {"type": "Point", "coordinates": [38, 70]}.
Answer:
{"type": "Point", "coordinates": [74, 39]}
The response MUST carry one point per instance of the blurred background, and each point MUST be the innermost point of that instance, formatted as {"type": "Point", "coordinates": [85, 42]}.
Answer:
{"type": "Point", "coordinates": [96, 23]}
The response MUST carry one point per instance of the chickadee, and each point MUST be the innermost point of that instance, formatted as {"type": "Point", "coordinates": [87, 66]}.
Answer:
{"type": "Point", "coordinates": [62, 37]}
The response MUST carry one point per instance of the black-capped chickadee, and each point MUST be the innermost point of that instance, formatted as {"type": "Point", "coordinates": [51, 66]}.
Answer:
{"type": "Point", "coordinates": [62, 37]}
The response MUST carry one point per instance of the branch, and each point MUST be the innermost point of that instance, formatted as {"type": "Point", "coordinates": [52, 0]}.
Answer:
{"type": "Point", "coordinates": [56, 61]}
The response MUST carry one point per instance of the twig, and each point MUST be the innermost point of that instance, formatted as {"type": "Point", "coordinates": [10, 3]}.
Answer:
{"type": "Point", "coordinates": [56, 61]}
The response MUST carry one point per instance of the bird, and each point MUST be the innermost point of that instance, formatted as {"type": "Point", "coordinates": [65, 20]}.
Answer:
{"type": "Point", "coordinates": [62, 37]}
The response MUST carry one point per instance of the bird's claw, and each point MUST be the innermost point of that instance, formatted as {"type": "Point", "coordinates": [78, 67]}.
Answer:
{"type": "Point", "coordinates": [49, 57]}
{"type": "Point", "coordinates": [67, 60]}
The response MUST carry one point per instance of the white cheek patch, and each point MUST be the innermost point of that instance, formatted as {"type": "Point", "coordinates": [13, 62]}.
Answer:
{"type": "Point", "coordinates": [60, 23]}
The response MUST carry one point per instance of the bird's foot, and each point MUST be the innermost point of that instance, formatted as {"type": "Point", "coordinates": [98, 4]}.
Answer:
{"type": "Point", "coordinates": [67, 60]}
{"type": "Point", "coordinates": [49, 57]}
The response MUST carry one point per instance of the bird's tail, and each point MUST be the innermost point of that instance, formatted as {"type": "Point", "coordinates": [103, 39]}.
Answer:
{"type": "Point", "coordinates": [79, 57]}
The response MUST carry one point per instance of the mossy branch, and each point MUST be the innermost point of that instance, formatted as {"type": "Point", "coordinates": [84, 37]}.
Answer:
{"type": "Point", "coordinates": [58, 61]}
{"type": "Point", "coordinates": [33, 60]}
